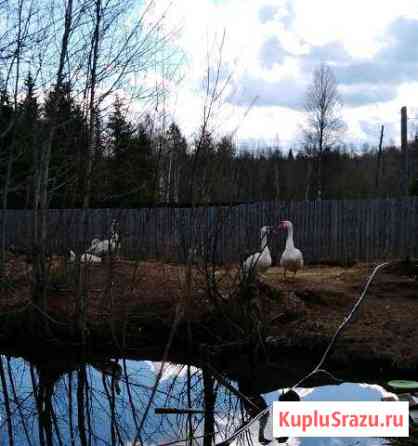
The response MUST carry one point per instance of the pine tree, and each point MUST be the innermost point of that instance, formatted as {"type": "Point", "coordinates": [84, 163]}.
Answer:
{"type": "Point", "coordinates": [120, 131]}
{"type": "Point", "coordinates": [7, 120]}
{"type": "Point", "coordinates": [175, 164]}
{"type": "Point", "coordinates": [131, 164]}
{"type": "Point", "coordinates": [69, 146]}
{"type": "Point", "coordinates": [27, 138]}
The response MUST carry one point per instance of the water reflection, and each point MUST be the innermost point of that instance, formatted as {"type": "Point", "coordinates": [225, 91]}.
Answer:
{"type": "Point", "coordinates": [113, 402]}
{"type": "Point", "coordinates": [341, 392]}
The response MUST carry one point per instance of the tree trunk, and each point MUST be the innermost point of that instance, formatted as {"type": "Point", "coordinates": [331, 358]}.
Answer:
{"type": "Point", "coordinates": [81, 405]}
{"type": "Point", "coordinates": [404, 149]}
{"type": "Point", "coordinates": [379, 162]}
{"type": "Point", "coordinates": [92, 104]}
{"type": "Point", "coordinates": [308, 180]}
{"type": "Point", "coordinates": [42, 179]}
{"type": "Point", "coordinates": [4, 216]}
{"type": "Point", "coordinates": [210, 398]}
{"type": "Point", "coordinates": [6, 403]}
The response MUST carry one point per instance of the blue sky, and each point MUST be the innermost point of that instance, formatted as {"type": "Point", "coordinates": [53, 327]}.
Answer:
{"type": "Point", "coordinates": [272, 48]}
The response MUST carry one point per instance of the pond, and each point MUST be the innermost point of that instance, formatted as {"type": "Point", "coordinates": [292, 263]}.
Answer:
{"type": "Point", "coordinates": [103, 401]}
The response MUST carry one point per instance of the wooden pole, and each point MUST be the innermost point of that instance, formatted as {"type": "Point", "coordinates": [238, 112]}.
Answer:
{"type": "Point", "coordinates": [379, 160]}
{"type": "Point", "coordinates": [404, 150]}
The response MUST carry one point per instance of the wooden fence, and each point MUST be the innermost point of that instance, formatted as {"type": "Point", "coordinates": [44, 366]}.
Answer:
{"type": "Point", "coordinates": [362, 230]}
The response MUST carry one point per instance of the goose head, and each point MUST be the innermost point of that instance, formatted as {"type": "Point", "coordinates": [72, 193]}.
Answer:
{"type": "Point", "coordinates": [285, 224]}
{"type": "Point", "coordinates": [265, 230]}
{"type": "Point", "coordinates": [71, 255]}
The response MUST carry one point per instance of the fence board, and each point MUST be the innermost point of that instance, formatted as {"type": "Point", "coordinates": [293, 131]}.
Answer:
{"type": "Point", "coordinates": [362, 230]}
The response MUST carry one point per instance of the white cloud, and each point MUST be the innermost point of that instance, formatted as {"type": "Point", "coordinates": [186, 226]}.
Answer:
{"type": "Point", "coordinates": [170, 370]}
{"type": "Point", "coordinates": [272, 46]}
{"type": "Point", "coordinates": [380, 389]}
{"type": "Point", "coordinates": [358, 23]}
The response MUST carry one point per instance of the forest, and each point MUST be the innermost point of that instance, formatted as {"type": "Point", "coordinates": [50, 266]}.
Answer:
{"type": "Point", "coordinates": [84, 123]}
{"type": "Point", "coordinates": [111, 278]}
{"type": "Point", "coordinates": [135, 163]}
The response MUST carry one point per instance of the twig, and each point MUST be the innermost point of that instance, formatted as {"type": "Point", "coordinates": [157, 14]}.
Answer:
{"type": "Point", "coordinates": [231, 388]}
{"type": "Point", "coordinates": [177, 318]}
{"type": "Point", "coordinates": [32, 304]}
{"type": "Point", "coordinates": [324, 356]}
{"type": "Point", "coordinates": [343, 324]}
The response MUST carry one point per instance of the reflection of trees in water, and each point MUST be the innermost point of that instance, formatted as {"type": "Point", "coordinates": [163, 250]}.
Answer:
{"type": "Point", "coordinates": [104, 402]}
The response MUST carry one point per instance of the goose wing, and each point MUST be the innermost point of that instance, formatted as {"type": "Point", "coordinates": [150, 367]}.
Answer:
{"type": "Point", "coordinates": [292, 257]}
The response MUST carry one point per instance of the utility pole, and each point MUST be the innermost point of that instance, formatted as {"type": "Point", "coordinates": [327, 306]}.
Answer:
{"type": "Point", "coordinates": [379, 160]}
{"type": "Point", "coordinates": [404, 151]}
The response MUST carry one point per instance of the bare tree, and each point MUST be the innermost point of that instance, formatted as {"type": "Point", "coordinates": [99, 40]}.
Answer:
{"type": "Point", "coordinates": [17, 39]}
{"type": "Point", "coordinates": [42, 177]}
{"type": "Point", "coordinates": [135, 47]}
{"type": "Point", "coordinates": [323, 125]}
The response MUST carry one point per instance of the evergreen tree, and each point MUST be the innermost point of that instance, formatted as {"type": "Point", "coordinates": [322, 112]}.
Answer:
{"type": "Point", "coordinates": [202, 167]}
{"type": "Point", "coordinates": [172, 165]}
{"type": "Point", "coordinates": [120, 131]}
{"type": "Point", "coordinates": [131, 165]}
{"type": "Point", "coordinates": [223, 179]}
{"type": "Point", "coordinates": [7, 121]}
{"type": "Point", "coordinates": [27, 138]}
{"type": "Point", "coordinates": [69, 146]}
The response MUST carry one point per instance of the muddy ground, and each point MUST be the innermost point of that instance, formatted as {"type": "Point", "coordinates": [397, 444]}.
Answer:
{"type": "Point", "coordinates": [132, 305]}
{"type": "Point", "coordinates": [383, 334]}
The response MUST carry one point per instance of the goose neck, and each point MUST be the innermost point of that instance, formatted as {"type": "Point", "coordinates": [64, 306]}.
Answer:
{"type": "Point", "coordinates": [263, 241]}
{"type": "Point", "coordinates": [289, 241]}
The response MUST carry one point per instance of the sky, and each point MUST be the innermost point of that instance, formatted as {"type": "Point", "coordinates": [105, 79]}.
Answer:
{"type": "Point", "coordinates": [271, 50]}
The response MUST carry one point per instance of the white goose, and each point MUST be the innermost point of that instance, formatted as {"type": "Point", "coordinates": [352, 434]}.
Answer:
{"type": "Point", "coordinates": [292, 258]}
{"type": "Point", "coordinates": [95, 241]}
{"type": "Point", "coordinates": [259, 261]}
{"type": "Point", "coordinates": [85, 258]}
{"type": "Point", "coordinates": [102, 247]}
